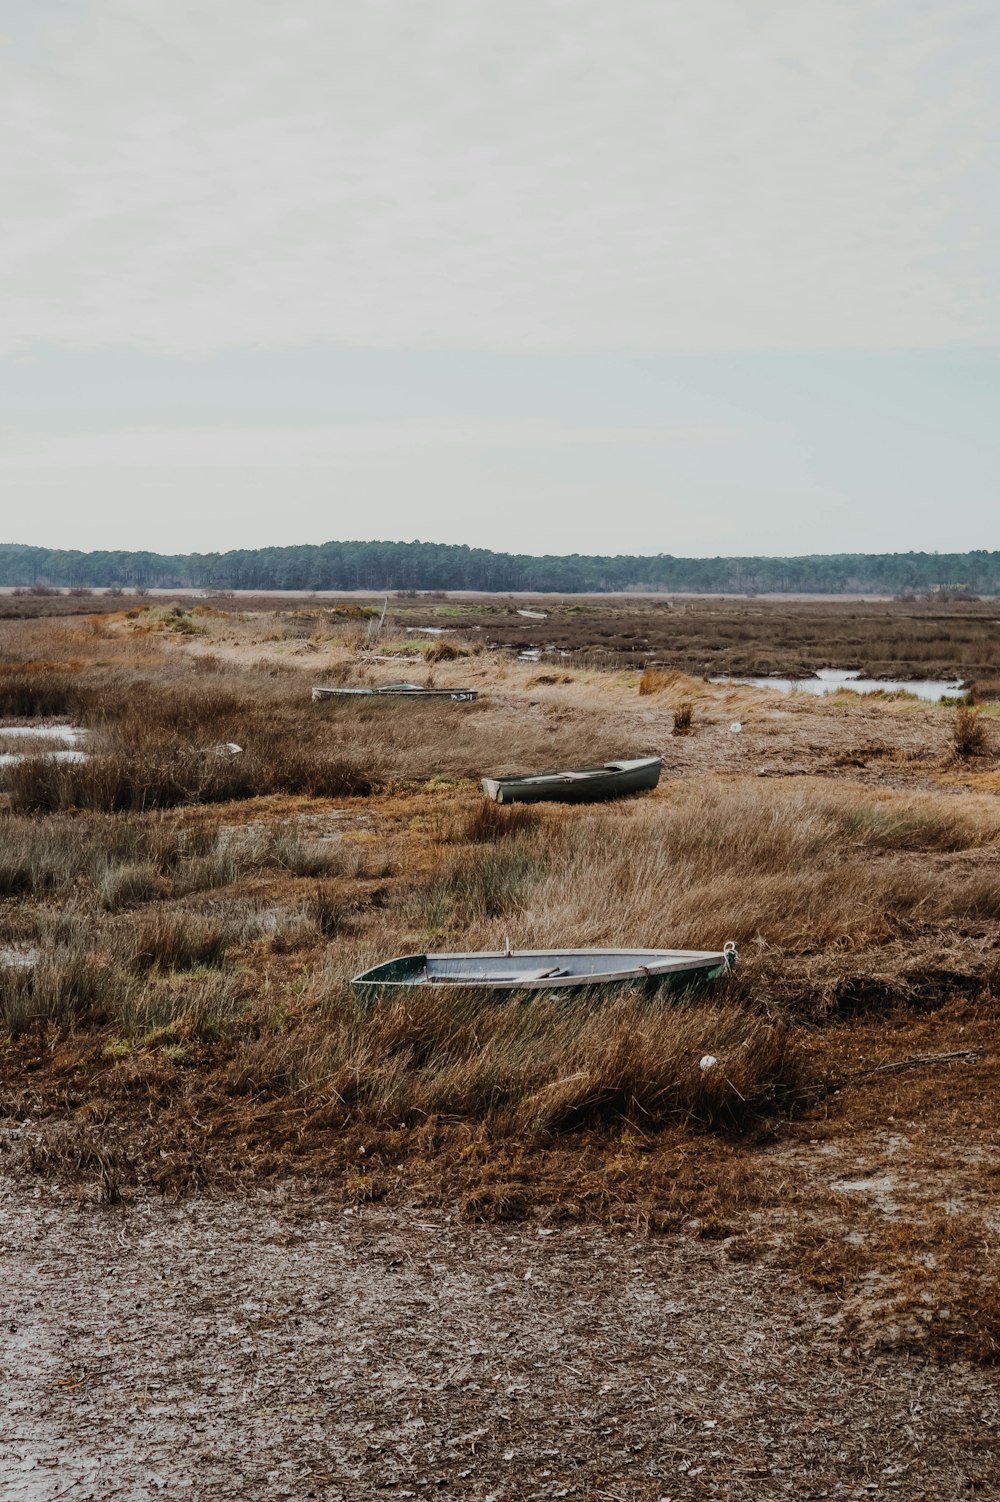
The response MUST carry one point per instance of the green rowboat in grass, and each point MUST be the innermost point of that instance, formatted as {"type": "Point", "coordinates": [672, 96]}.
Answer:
{"type": "Point", "coordinates": [614, 779]}
{"type": "Point", "coordinates": [396, 691]}
{"type": "Point", "coordinates": [551, 969]}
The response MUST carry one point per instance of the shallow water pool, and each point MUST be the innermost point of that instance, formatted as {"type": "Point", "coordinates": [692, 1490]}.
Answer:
{"type": "Point", "coordinates": [836, 680]}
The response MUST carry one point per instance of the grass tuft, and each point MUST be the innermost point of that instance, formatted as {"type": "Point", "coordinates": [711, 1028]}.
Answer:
{"type": "Point", "coordinates": [490, 821]}
{"type": "Point", "coordinates": [683, 716]}
{"type": "Point", "coordinates": [969, 736]}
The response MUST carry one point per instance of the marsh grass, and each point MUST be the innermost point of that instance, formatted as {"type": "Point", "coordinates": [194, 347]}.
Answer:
{"type": "Point", "coordinates": [32, 690]}
{"type": "Point", "coordinates": [124, 858]}
{"type": "Point", "coordinates": [884, 639]}
{"type": "Point", "coordinates": [444, 651]}
{"type": "Point", "coordinates": [328, 909]}
{"type": "Point", "coordinates": [203, 1008]}
{"type": "Point", "coordinates": [188, 981]}
{"type": "Point", "coordinates": [154, 773]}
{"type": "Point", "coordinates": [969, 734]}
{"type": "Point", "coordinates": [811, 881]}
{"type": "Point", "coordinates": [302, 857]}
{"type": "Point", "coordinates": [490, 821]}
{"type": "Point", "coordinates": [154, 744]}
{"type": "Point", "coordinates": [477, 885]}
{"type": "Point", "coordinates": [73, 1150]}
{"type": "Point", "coordinates": [125, 884]}
{"type": "Point", "coordinates": [655, 680]}
{"type": "Point", "coordinates": [67, 982]}
{"type": "Point", "coordinates": [541, 1065]}
{"type": "Point", "coordinates": [171, 940]}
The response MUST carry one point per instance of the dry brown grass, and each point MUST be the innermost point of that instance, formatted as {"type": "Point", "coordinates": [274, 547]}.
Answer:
{"type": "Point", "coordinates": [193, 962]}
{"type": "Point", "coordinates": [172, 940]}
{"type": "Point", "coordinates": [155, 729]}
{"type": "Point", "coordinates": [36, 689]}
{"type": "Point", "coordinates": [655, 680]}
{"type": "Point", "coordinates": [156, 745]}
{"type": "Point", "coordinates": [969, 735]}
{"type": "Point", "coordinates": [491, 821]}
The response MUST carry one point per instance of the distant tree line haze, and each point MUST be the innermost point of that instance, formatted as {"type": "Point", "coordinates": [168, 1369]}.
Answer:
{"type": "Point", "coordinates": [436, 566]}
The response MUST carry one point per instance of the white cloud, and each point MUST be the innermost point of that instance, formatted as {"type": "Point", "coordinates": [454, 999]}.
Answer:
{"type": "Point", "coordinates": [529, 174]}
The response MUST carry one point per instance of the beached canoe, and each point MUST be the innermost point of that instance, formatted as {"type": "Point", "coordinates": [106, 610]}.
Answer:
{"type": "Point", "coordinates": [551, 969]}
{"type": "Point", "coordinates": [396, 691]}
{"type": "Point", "coordinates": [612, 780]}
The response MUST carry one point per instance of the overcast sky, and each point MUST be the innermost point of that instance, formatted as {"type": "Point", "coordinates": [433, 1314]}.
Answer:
{"type": "Point", "coordinates": [549, 275]}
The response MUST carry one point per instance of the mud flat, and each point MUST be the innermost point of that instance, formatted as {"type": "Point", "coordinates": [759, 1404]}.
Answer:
{"type": "Point", "coordinates": [284, 1346]}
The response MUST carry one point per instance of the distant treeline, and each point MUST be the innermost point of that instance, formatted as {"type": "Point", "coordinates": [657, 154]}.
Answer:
{"type": "Point", "coordinates": [429, 565]}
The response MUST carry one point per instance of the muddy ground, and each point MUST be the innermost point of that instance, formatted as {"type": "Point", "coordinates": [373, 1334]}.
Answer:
{"type": "Point", "coordinates": [283, 1346]}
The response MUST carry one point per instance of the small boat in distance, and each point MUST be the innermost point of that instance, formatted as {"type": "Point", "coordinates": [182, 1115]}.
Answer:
{"type": "Point", "coordinates": [614, 779]}
{"type": "Point", "coordinates": [396, 691]}
{"type": "Point", "coordinates": [552, 969]}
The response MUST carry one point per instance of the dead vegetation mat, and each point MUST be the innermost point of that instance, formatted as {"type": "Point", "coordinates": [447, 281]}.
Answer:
{"type": "Point", "coordinates": [877, 1188]}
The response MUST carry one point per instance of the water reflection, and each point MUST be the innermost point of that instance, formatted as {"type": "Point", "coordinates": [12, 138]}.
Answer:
{"type": "Point", "coordinates": [836, 680]}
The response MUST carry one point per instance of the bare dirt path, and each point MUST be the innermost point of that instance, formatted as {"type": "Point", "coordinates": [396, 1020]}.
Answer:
{"type": "Point", "coordinates": [285, 1347]}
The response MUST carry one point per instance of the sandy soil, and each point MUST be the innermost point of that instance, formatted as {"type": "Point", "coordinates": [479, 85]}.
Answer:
{"type": "Point", "coordinates": [283, 1346]}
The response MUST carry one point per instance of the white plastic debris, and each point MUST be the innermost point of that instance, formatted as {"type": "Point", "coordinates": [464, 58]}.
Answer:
{"type": "Point", "coordinates": [736, 727]}
{"type": "Point", "coordinates": [708, 1062]}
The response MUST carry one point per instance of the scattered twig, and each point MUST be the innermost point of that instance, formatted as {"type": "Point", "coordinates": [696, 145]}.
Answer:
{"type": "Point", "coordinates": [67, 1489]}
{"type": "Point", "coordinates": [914, 1060]}
{"type": "Point", "coordinates": [894, 1066]}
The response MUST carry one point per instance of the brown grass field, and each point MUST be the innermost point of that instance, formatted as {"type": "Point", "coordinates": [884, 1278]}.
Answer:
{"type": "Point", "coordinates": [178, 928]}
